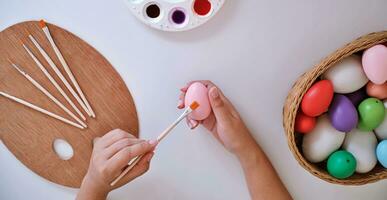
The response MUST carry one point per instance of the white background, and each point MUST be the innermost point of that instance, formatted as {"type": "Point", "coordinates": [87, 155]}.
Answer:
{"type": "Point", "coordinates": [253, 49]}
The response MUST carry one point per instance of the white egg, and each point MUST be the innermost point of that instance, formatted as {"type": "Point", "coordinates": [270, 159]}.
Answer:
{"type": "Point", "coordinates": [323, 140]}
{"type": "Point", "coordinates": [347, 75]}
{"type": "Point", "coordinates": [381, 130]}
{"type": "Point", "coordinates": [362, 146]}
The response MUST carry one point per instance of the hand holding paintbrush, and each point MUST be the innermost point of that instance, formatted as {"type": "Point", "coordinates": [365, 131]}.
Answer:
{"type": "Point", "coordinates": [135, 160]}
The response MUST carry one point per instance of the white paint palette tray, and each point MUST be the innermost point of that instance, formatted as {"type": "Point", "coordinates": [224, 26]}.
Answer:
{"type": "Point", "coordinates": [174, 15]}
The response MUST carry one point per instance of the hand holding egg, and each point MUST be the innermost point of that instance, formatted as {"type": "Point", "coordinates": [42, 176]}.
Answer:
{"type": "Point", "coordinates": [222, 119]}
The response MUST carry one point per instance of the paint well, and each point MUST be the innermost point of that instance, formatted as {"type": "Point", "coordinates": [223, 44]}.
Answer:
{"type": "Point", "coordinates": [202, 7]}
{"type": "Point", "coordinates": [178, 16]}
{"type": "Point", "coordinates": [153, 11]}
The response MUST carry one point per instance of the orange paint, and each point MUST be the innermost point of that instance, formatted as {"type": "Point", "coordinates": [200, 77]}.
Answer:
{"type": "Point", "coordinates": [42, 23]}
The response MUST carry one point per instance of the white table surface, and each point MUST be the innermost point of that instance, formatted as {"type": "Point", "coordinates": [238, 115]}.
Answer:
{"type": "Point", "coordinates": [253, 49]}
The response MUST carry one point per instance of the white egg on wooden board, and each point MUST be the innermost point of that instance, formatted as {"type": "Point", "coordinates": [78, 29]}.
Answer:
{"type": "Point", "coordinates": [323, 140]}
{"type": "Point", "coordinates": [362, 145]}
{"type": "Point", "coordinates": [381, 130]}
{"type": "Point", "coordinates": [347, 75]}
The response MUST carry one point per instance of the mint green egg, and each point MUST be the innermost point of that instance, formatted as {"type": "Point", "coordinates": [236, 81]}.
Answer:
{"type": "Point", "coordinates": [371, 114]}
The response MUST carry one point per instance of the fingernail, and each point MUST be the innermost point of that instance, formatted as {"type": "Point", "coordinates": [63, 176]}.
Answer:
{"type": "Point", "coordinates": [192, 123]}
{"type": "Point", "coordinates": [152, 142]}
{"type": "Point", "coordinates": [214, 92]}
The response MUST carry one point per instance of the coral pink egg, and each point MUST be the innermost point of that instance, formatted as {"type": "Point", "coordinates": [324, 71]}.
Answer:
{"type": "Point", "coordinates": [199, 93]}
{"type": "Point", "coordinates": [377, 91]}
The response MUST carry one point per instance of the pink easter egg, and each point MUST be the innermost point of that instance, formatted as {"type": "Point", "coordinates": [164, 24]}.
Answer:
{"type": "Point", "coordinates": [199, 93]}
{"type": "Point", "coordinates": [375, 64]}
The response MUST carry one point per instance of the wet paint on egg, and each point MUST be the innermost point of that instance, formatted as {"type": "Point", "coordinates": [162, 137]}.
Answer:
{"type": "Point", "coordinates": [362, 145]}
{"type": "Point", "coordinates": [198, 92]}
{"type": "Point", "coordinates": [381, 153]}
{"type": "Point", "coordinates": [371, 114]}
{"type": "Point", "coordinates": [381, 130]}
{"type": "Point", "coordinates": [321, 141]}
{"type": "Point", "coordinates": [304, 124]}
{"type": "Point", "coordinates": [317, 99]}
{"type": "Point", "coordinates": [375, 63]}
{"type": "Point", "coordinates": [358, 96]}
{"type": "Point", "coordinates": [347, 75]}
{"type": "Point", "coordinates": [342, 113]}
{"type": "Point", "coordinates": [377, 91]}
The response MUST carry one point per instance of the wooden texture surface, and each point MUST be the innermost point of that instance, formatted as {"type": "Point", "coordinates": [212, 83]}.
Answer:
{"type": "Point", "coordinates": [29, 135]}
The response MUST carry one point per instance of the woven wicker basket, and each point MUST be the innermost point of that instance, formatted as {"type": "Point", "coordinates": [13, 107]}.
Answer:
{"type": "Point", "coordinates": [294, 99]}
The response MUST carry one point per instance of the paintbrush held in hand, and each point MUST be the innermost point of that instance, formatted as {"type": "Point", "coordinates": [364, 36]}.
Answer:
{"type": "Point", "coordinates": [135, 160]}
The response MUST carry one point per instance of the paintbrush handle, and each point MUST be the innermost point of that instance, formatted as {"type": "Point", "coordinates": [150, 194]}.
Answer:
{"type": "Point", "coordinates": [131, 164]}
{"type": "Point", "coordinates": [172, 126]}
{"type": "Point", "coordinates": [135, 160]}
{"type": "Point", "coordinates": [39, 109]}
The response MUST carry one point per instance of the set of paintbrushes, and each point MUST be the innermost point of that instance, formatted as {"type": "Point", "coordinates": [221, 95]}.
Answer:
{"type": "Point", "coordinates": [76, 92]}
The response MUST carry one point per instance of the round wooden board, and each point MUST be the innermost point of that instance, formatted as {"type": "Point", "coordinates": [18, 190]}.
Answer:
{"type": "Point", "coordinates": [28, 134]}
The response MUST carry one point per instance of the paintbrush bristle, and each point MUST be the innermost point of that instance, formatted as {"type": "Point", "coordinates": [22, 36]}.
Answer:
{"type": "Point", "coordinates": [42, 23]}
{"type": "Point", "coordinates": [194, 105]}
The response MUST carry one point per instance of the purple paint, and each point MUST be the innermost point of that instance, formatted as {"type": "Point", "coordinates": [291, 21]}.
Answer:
{"type": "Point", "coordinates": [343, 114]}
{"type": "Point", "coordinates": [178, 16]}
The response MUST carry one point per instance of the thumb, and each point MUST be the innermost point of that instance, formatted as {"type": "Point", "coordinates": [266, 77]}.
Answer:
{"type": "Point", "coordinates": [219, 107]}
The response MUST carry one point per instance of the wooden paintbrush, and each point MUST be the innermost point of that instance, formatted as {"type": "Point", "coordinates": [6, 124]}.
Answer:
{"type": "Point", "coordinates": [47, 33]}
{"type": "Point", "coordinates": [135, 160]}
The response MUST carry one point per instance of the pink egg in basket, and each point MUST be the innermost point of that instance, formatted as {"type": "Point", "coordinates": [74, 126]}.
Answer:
{"type": "Point", "coordinates": [375, 63]}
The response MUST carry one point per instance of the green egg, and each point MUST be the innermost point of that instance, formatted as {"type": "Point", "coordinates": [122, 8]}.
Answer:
{"type": "Point", "coordinates": [371, 114]}
{"type": "Point", "coordinates": [341, 164]}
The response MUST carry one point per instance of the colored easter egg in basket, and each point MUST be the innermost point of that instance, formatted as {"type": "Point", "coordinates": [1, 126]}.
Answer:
{"type": "Point", "coordinates": [341, 164]}
{"type": "Point", "coordinates": [304, 124]}
{"type": "Point", "coordinates": [318, 98]}
{"type": "Point", "coordinates": [362, 146]}
{"type": "Point", "coordinates": [381, 130]}
{"type": "Point", "coordinates": [358, 96]}
{"type": "Point", "coordinates": [321, 141]}
{"type": "Point", "coordinates": [375, 64]}
{"type": "Point", "coordinates": [347, 75]}
{"type": "Point", "coordinates": [371, 114]}
{"type": "Point", "coordinates": [377, 91]}
{"type": "Point", "coordinates": [381, 153]}
{"type": "Point", "coordinates": [198, 92]}
{"type": "Point", "coordinates": [342, 113]}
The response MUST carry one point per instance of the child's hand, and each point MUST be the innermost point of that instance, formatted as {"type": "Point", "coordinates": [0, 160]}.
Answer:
{"type": "Point", "coordinates": [111, 154]}
{"type": "Point", "coordinates": [224, 122]}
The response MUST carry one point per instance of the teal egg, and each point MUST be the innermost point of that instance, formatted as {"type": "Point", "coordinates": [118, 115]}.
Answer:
{"type": "Point", "coordinates": [341, 164]}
